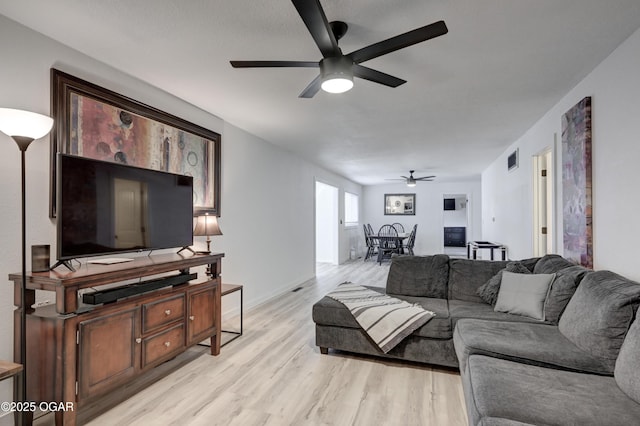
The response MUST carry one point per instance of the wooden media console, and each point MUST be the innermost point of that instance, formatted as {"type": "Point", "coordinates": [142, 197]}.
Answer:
{"type": "Point", "coordinates": [79, 353]}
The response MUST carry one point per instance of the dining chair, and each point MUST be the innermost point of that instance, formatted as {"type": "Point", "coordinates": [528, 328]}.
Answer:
{"type": "Point", "coordinates": [399, 227]}
{"type": "Point", "coordinates": [387, 242]}
{"type": "Point", "coordinates": [408, 247]}
{"type": "Point", "coordinates": [370, 242]}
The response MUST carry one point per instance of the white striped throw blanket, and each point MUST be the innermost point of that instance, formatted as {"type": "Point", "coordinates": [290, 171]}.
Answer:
{"type": "Point", "coordinates": [385, 319]}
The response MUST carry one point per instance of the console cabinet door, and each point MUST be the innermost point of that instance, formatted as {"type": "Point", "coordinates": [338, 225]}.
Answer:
{"type": "Point", "coordinates": [108, 351]}
{"type": "Point", "coordinates": [201, 315]}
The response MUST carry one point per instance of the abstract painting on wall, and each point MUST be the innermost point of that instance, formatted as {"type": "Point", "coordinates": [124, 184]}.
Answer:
{"type": "Point", "coordinates": [576, 184]}
{"type": "Point", "coordinates": [94, 122]}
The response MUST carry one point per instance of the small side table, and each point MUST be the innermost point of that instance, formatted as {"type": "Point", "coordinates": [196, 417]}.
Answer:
{"type": "Point", "coordinates": [228, 289]}
{"type": "Point", "coordinates": [9, 369]}
{"type": "Point", "coordinates": [473, 246]}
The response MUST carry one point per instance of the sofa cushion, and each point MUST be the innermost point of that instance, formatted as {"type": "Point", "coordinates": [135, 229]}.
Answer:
{"type": "Point", "coordinates": [419, 276]}
{"type": "Point", "coordinates": [562, 289]}
{"type": "Point", "coordinates": [551, 263]}
{"type": "Point", "coordinates": [498, 388]}
{"type": "Point", "coordinates": [524, 294]}
{"type": "Point", "coordinates": [328, 311]}
{"type": "Point", "coordinates": [535, 344]}
{"type": "Point", "coordinates": [465, 276]}
{"type": "Point", "coordinates": [599, 314]}
{"type": "Point", "coordinates": [489, 290]}
{"type": "Point", "coordinates": [627, 371]}
{"type": "Point", "coordinates": [459, 309]}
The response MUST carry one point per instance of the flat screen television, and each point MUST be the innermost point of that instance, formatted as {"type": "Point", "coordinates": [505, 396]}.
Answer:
{"type": "Point", "coordinates": [105, 208]}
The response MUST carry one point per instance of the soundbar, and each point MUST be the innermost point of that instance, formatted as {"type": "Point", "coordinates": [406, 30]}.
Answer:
{"type": "Point", "coordinates": [113, 294]}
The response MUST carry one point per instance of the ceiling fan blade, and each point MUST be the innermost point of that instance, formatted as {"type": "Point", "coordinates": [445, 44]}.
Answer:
{"type": "Point", "coordinates": [424, 178]}
{"type": "Point", "coordinates": [399, 42]}
{"type": "Point", "coordinates": [314, 18]}
{"type": "Point", "coordinates": [274, 64]}
{"type": "Point", "coordinates": [404, 177]}
{"type": "Point", "coordinates": [394, 179]}
{"type": "Point", "coordinates": [376, 76]}
{"type": "Point", "coordinates": [312, 88]}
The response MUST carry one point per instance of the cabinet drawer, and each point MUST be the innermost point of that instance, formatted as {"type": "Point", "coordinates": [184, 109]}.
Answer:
{"type": "Point", "coordinates": [162, 345]}
{"type": "Point", "coordinates": [165, 311]}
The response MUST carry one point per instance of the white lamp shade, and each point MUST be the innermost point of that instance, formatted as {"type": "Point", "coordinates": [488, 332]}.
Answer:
{"type": "Point", "coordinates": [16, 122]}
{"type": "Point", "coordinates": [207, 225]}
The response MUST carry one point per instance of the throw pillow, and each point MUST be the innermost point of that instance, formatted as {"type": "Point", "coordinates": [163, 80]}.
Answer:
{"type": "Point", "coordinates": [489, 290]}
{"type": "Point", "coordinates": [524, 294]}
{"type": "Point", "coordinates": [599, 314]}
{"type": "Point", "coordinates": [562, 289]}
{"type": "Point", "coordinates": [551, 263]}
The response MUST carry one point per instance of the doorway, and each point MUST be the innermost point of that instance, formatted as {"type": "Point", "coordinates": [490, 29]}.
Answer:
{"type": "Point", "coordinates": [326, 223]}
{"type": "Point", "coordinates": [543, 205]}
{"type": "Point", "coordinates": [455, 220]}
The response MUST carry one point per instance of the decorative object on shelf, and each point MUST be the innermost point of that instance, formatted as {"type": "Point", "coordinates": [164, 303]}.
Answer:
{"type": "Point", "coordinates": [207, 225]}
{"type": "Point", "coordinates": [97, 123]}
{"type": "Point", "coordinates": [513, 160]}
{"type": "Point", "coordinates": [24, 127]}
{"type": "Point", "coordinates": [40, 258]}
{"type": "Point", "coordinates": [399, 204]}
{"type": "Point", "coordinates": [576, 184]}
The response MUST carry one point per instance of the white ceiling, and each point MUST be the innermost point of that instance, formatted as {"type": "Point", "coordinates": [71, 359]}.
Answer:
{"type": "Point", "coordinates": [470, 93]}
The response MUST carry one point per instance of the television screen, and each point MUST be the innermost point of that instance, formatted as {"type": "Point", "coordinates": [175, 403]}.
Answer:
{"type": "Point", "coordinates": [108, 208]}
{"type": "Point", "coordinates": [449, 203]}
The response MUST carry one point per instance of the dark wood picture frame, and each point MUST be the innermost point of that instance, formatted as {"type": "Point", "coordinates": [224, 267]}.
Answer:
{"type": "Point", "coordinates": [399, 204]}
{"type": "Point", "coordinates": [66, 138]}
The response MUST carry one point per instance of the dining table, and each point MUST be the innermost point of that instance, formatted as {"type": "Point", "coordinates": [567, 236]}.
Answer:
{"type": "Point", "coordinates": [383, 240]}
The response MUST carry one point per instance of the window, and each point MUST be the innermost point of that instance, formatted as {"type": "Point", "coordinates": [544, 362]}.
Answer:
{"type": "Point", "coordinates": [351, 212]}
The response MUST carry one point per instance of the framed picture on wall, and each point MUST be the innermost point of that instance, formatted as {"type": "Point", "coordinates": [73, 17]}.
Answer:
{"type": "Point", "coordinates": [94, 122]}
{"type": "Point", "coordinates": [399, 204]}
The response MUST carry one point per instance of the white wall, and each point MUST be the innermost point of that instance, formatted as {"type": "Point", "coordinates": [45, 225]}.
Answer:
{"type": "Point", "coordinates": [614, 86]}
{"type": "Point", "coordinates": [429, 211]}
{"type": "Point", "coordinates": [267, 193]}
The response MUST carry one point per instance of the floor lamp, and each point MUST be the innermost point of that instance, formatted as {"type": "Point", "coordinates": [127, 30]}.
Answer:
{"type": "Point", "coordinates": [24, 127]}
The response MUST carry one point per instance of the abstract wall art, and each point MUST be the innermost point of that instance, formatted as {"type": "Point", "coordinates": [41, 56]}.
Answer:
{"type": "Point", "coordinates": [94, 122]}
{"type": "Point", "coordinates": [576, 184]}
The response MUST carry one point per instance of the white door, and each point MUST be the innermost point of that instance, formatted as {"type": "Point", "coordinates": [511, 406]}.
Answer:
{"type": "Point", "coordinates": [326, 223]}
{"type": "Point", "coordinates": [543, 183]}
{"type": "Point", "coordinates": [130, 199]}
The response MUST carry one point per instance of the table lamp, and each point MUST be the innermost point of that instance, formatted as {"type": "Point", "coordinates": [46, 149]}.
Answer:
{"type": "Point", "coordinates": [207, 225]}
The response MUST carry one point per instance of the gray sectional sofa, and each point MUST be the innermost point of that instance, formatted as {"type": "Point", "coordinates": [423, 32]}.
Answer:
{"type": "Point", "coordinates": [578, 365]}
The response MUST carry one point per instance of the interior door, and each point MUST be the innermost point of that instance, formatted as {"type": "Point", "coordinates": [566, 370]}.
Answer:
{"type": "Point", "coordinates": [130, 204]}
{"type": "Point", "coordinates": [543, 215]}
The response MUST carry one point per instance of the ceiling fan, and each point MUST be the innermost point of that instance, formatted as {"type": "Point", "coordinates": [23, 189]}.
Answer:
{"type": "Point", "coordinates": [411, 181]}
{"type": "Point", "coordinates": [336, 69]}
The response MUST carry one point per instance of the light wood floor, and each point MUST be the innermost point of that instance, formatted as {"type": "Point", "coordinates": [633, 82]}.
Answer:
{"type": "Point", "coordinates": [275, 375]}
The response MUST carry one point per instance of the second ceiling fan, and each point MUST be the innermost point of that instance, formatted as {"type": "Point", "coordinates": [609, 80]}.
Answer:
{"type": "Point", "coordinates": [411, 181]}
{"type": "Point", "coordinates": [336, 69]}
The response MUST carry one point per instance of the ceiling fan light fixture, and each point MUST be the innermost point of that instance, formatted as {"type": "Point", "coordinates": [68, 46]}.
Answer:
{"type": "Point", "coordinates": [337, 84]}
{"type": "Point", "coordinates": [411, 182]}
{"type": "Point", "coordinates": [337, 75]}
